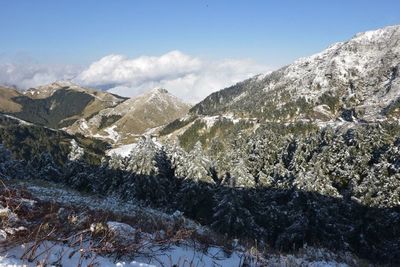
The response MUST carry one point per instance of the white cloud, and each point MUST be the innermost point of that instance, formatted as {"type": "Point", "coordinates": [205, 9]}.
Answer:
{"type": "Point", "coordinates": [185, 76]}
{"type": "Point", "coordinates": [27, 74]}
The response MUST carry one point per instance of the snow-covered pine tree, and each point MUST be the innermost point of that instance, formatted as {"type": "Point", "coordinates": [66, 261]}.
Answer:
{"type": "Point", "coordinates": [199, 165]}
{"type": "Point", "coordinates": [149, 173]}
{"type": "Point", "coordinates": [178, 158]}
{"type": "Point", "coordinates": [76, 152]}
{"type": "Point", "coordinates": [116, 162]}
{"type": "Point", "coordinates": [241, 176]}
{"type": "Point", "coordinates": [141, 160]}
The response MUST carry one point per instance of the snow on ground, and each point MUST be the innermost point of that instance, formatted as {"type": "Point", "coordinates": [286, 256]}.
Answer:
{"type": "Point", "coordinates": [83, 125]}
{"type": "Point", "coordinates": [181, 256]}
{"type": "Point", "coordinates": [58, 254]}
{"type": "Point", "coordinates": [210, 120]}
{"type": "Point", "coordinates": [112, 134]}
{"type": "Point", "coordinates": [54, 192]}
{"type": "Point", "coordinates": [231, 116]}
{"type": "Point", "coordinates": [123, 150]}
{"type": "Point", "coordinates": [184, 254]}
{"type": "Point", "coordinates": [17, 119]}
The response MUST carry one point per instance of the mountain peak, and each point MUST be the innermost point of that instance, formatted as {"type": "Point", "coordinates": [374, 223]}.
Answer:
{"type": "Point", "coordinates": [378, 34]}
{"type": "Point", "coordinates": [133, 117]}
{"type": "Point", "coordinates": [160, 90]}
{"type": "Point", "coordinates": [361, 74]}
{"type": "Point", "coordinates": [65, 83]}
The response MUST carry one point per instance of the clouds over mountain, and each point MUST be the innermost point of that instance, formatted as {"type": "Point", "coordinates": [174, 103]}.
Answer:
{"type": "Point", "coordinates": [187, 77]}
{"type": "Point", "coordinates": [25, 75]}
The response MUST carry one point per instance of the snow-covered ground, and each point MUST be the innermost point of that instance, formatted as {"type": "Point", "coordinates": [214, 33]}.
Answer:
{"type": "Point", "coordinates": [52, 254]}
{"type": "Point", "coordinates": [123, 150]}
{"type": "Point", "coordinates": [181, 256]}
{"type": "Point", "coordinates": [186, 253]}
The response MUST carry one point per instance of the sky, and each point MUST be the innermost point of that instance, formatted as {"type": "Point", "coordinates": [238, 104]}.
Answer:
{"type": "Point", "coordinates": [193, 47]}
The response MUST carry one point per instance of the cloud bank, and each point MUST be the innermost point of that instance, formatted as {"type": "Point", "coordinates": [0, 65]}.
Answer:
{"type": "Point", "coordinates": [28, 75]}
{"type": "Point", "coordinates": [188, 77]}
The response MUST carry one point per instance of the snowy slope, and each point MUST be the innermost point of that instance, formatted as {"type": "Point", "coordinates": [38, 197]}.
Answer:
{"type": "Point", "coordinates": [360, 74]}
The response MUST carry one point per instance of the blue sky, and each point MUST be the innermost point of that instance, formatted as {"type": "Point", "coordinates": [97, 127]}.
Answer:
{"type": "Point", "coordinates": [235, 39]}
{"type": "Point", "coordinates": [271, 32]}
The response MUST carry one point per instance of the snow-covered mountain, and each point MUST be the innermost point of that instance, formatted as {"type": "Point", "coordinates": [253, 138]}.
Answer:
{"type": "Point", "coordinates": [356, 79]}
{"type": "Point", "coordinates": [130, 119]}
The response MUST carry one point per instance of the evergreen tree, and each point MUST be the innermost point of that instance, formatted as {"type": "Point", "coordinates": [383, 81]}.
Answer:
{"type": "Point", "coordinates": [231, 215]}
{"type": "Point", "coordinates": [178, 158]}
{"type": "Point", "coordinates": [198, 165]}
{"type": "Point", "coordinates": [241, 176]}
{"type": "Point", "coordinates": [116, 162]}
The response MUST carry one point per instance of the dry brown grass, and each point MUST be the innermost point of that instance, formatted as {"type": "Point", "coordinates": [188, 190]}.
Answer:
{"type": "Point", "coordinates": [48, 223]}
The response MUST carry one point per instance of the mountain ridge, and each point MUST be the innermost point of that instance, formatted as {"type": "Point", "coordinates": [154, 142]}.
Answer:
{"type": "Point", "coordinates": [130, 119]}
{"type": "Point", "coordinates": [340, 69]}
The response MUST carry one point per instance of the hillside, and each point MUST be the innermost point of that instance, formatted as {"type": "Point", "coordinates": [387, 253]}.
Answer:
{"type": "Point", "coordinates": [356, 81]}
{"type": "Point", "coordinates": [359, 76]}
{"type": "Point", "coordinates": [56, 105]}
{"type": "Point", "coordinates": [130, 119]}
{"type": "Point", "coordinates": [115, 119]}
{"type": "Point", "coordinates": [27, 141]}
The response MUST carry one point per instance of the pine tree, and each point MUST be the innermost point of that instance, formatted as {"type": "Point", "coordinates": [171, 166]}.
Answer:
{"type": "Point", "coordinates": [178, 158]}
{"type": "Point", "coordinates": [241, 176]}
{"type": "Point", "coordinates": [116, 162]}
{"type": "Point", "coordinates": [141, 160]}
{"type": "Point", "coordinates": [198, 165]}
{"type": "Point", "coordinates": [150, 173]}
{"type": "Point", "coordinates": [11, 168]}
{"type": "Point", "coordinates": [231, 216]}
{"type": "Point", "coordinates": [48, 170]}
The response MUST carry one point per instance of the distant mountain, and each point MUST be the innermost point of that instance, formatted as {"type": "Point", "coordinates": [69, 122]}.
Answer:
{"type": "Point", "coordinates": [92, 113]}
{"type": "Point", "coordinates": [130, 119]}
{"type": "Point", "coordinates": [55, 105]}
{"type": "Point", "coordinates": [29, 141]}
{"type": "Point", "coordinates": [355, 81]}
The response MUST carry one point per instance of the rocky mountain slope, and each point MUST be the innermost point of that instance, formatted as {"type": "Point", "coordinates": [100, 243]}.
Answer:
{"type": "Point", "coordinates": [356, 81]}
{"type": "Point", "coordinates": [55, 105]}
{"type": "Point", "coordinates": [361, 75]}
{"type": "Point", "coordinates": [130, 119]}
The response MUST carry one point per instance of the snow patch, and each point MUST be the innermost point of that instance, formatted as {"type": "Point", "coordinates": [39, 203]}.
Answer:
{"type": "Point", "coordinates": [122, 151]}
{"type": "Point", "coordinates": [76, 152]}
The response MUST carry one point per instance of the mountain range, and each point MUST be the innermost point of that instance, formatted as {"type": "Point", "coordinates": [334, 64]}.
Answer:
{"type": "Point", "coordinates": [307, 155]}
{"type": "Point", "coordinates": [74, 109]}
{"type": "Point", "coordinates": [353, 81]}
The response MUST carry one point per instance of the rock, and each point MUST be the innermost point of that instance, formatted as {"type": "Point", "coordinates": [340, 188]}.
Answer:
{"type": "Point", "coordinates": [121, 231]}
